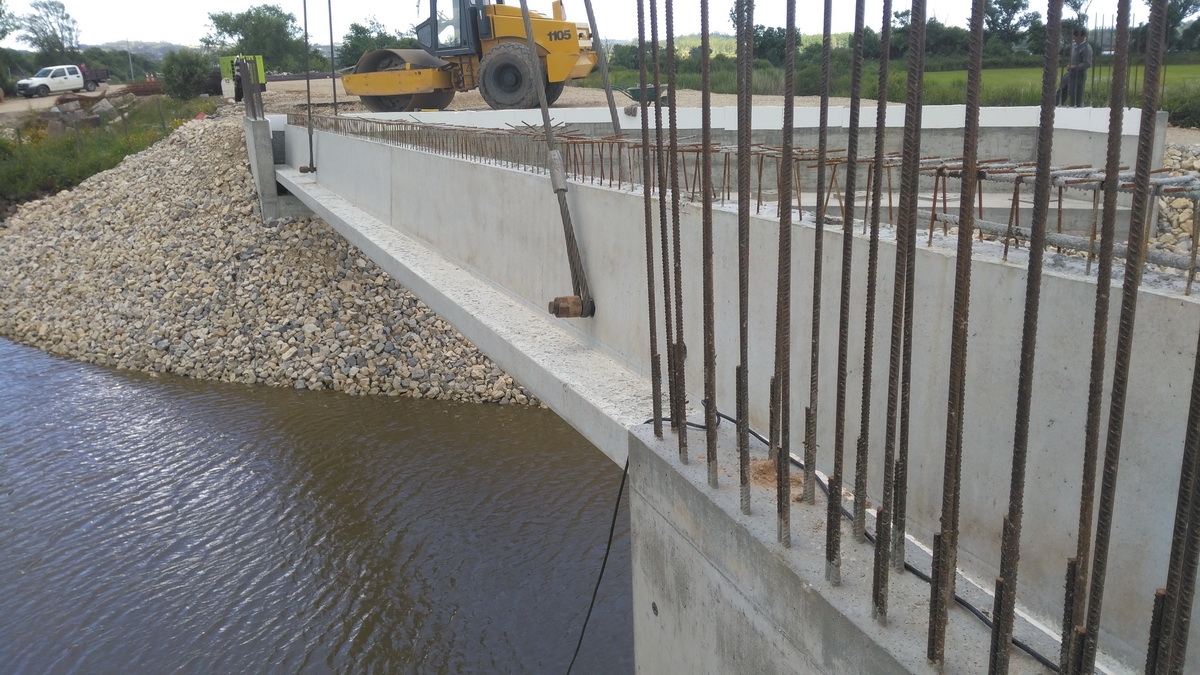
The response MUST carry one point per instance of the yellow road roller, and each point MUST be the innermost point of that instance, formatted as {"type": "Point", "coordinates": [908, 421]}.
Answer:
{"type": "Point", "coordinates": [468, 44]}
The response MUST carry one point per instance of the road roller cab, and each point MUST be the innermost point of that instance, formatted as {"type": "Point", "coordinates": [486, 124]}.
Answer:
{"type": "Point", "coordinates": [468, 44]}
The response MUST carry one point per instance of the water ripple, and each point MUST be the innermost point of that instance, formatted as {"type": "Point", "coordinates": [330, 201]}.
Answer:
{"type": "Point", "coordinates": [163, 524]}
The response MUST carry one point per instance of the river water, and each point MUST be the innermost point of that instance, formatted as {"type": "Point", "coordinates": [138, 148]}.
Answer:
{"type": "Point", "coordinates": [161, 524]}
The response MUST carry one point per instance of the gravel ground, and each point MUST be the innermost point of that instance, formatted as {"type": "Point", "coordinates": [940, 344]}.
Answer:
{"type": "Point", "coordinates": [163, 264]}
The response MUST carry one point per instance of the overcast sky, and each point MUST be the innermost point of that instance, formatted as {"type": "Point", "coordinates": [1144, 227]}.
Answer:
{"type": "Point", "coordinates": [186, 22]}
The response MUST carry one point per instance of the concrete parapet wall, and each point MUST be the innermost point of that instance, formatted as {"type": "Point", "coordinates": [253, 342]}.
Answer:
{"type": "Point", "coordinates": [1080, 133]}
{"type": "Point", "coordinates": [502, 225]}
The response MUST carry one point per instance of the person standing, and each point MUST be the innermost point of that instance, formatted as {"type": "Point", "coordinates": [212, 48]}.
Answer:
{"type": "Point", "coordinates": [1077, 67]}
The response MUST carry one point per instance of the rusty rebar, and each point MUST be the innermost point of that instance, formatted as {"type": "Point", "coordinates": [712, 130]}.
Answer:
{"type": "Point", "coordinates": [905, 232]}
{"type": "Point", "coordinates": [648, 214]}
{"type": "Point", "coordinates": [811, 410]}
{"type": "Point", "coordinates": [783, 311]}
{"type": "Point", "coordinates": [1074, 609]}
{"type": "Point", "coordinates": [1010, 552]}
{"type": "Point", "coordinates": [706, 209]}
{"type": "Point", "coordinates": [902, 306]}
{"type": "Point", "coordinates": [1124, 344]}
{"type": "Point", "coordinates": [942, 593]}
{"type": "Point", "coordinates": [859, 524]}
{"type": "Point", "coordinates": [664, 232]}
{"type": "Point", "coordinates": [745, 15]}
{"type": "Point", "coordinates": [833, 512]}
{"type": "Point", "coordinates": [883, 518]}
{"type": "Point", "coordinates": [680, 410]}
{"type": "Point", "coordinates": [1185, 536]}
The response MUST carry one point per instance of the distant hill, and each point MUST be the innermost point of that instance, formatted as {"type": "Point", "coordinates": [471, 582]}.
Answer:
{"type": "Point", "coordinates": [151, 50]}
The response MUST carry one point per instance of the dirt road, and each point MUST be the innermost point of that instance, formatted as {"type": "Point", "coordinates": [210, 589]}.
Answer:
{"type": "Point", "coordinates": [18, 106]}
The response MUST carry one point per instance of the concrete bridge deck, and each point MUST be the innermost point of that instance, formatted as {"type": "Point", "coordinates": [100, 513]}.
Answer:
{"type": "Point", "coordinates": [714, 591]}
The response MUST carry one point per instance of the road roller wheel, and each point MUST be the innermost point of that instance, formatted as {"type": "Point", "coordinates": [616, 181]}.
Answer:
{"type": "Point", "coordinates": [509, 75]}
{"type": "Point", "coordinates": [554, 90]}
{"type": "Point", "coordinates": [373, 62]}
{"type": "Point", "coordinates": [437, 100]}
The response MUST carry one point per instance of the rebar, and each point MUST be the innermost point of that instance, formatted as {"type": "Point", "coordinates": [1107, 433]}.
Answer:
{"type": "Point", "coordinates": [1185, 545]}
{"type": "Point", "coordinates": [942, 592]}
{"type": "Point", "coordinates": [680, 410]}
{"type": "Point", "coordinates": [781, 382]}
{"type": "Point", "coordinates": [883, 518]}
{"type": "Point", "coordinates": [833, 512]}
{"type": "Point", "coordinates": [745, 15]}
{"type": "Point", "coordinates": [1074, 608]}
{"type": "Point", "coordinates": [1124, 344]}
{"type": "Point", "coordinates": [648, 214]}
{"type": "Point", "coordinates": [1010, 551]}
{"type": "Point", "coordinates": [710, 340]}
{"type": "Point", "coordinates": [860, 457]}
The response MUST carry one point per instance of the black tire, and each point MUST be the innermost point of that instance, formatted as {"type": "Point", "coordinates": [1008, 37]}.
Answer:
{"type": "Point", "coordinates": [437, 100]}
{"type": "Point", "coordinates": [90, 85]}
{"type": "Point", "coordinates": [509, 75]}
{"type": "Point", "coordinates": [554, 90]}
{"type": "Point", "coordinates": [385, 104]}
{"type": "Point", "coordinates": [43, 91]}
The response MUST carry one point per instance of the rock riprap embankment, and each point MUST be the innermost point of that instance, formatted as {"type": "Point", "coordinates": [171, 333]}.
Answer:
{"type": "Point", "coordinates": [163, 264]}
{"type": "Point", "coordinates": [1176, 215]}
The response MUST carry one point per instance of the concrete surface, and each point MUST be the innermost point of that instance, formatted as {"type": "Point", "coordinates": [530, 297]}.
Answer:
{"type": "Point", "coordinates": [483, 246]}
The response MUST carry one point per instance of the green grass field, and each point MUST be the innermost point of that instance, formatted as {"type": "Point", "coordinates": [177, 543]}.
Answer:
{"type": "Point", "coordinates": [1181, 74]}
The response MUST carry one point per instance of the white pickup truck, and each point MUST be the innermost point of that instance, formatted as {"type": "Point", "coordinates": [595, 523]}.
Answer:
{"type": "Point", "coordinates": [57, 79]}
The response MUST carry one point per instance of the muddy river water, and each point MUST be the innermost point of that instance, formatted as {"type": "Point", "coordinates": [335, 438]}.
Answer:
{"type": "Point", "coordinates": [160, 524]}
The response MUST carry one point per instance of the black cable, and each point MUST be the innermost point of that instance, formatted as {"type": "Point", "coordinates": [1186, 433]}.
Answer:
{"type": "Point", "coordinates": [607, 548]}
{"type": "Point", "coordinates": [1019, 644]}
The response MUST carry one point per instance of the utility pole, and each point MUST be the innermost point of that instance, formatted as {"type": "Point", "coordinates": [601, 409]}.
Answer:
{"type": "Point", "coordinates": [129, 53]}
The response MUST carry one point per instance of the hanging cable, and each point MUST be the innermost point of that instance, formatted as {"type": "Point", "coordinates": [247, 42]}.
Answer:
{"type": "Point", "coordinates": [604, 563]}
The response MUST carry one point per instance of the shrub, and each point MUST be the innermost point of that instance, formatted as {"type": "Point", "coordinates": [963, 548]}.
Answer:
{"type": "Point", "coordinates": [35, 162]}
{"type": "Point", "coordinates": [185, 74]}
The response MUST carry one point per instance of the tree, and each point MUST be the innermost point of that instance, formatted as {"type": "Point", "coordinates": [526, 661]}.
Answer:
{"type": "Point", "coordinates": [186, 73]}
{"type": "Point", "coordinates": [1080, 8]}
{"type": "Point", "coordinates": [625, 56]}
{"type": "Point", "coordinates": [8, 22]}
{"type": "Point", "coordinates": [50, 30]}
{"type": "Point", "coordinates": [770, 44]}
{"type": "Point", "coordinates": [1007, 19]}
{"type": "Point", "coordinates": [265, 30]}
{"type": "Point", "coordinates": [1179, 11]}
{"type": "Point", "coordinates": [362, 39]}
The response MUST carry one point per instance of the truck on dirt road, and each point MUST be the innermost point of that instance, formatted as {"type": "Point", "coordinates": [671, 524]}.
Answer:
{"type": "Point", "coordinates": [59, 79]}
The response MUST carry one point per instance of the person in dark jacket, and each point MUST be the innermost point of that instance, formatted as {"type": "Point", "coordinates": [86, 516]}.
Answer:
{"type": "Point", "coordinates": [1077, 67]}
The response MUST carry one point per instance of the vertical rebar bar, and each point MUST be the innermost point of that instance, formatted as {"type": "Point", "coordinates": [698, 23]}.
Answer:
{"type": "Point", "coordinates": [905, 231]}
{"type": "Point", "coordinates": [942, 592]}
{"type": "Point", "coordinates": [1010, 550]}
{"type": "Point", "coordinates": [745, 31]}
{"type": "Point", "coordinates": [664, 232]}
{"type": "Point", "coordinates": [1091, 441]}
{"type": "Point", "coordinates": [810, 412]}
{"type": "Point", "coordinates": [1181, 566]}
{"type": "Point", "coordinates": [860, 458]}
{"type": "Point", "coordinates": [710, 340]}
{"type": "Point", "coordinates": [648, 214]}
{"type": "Point", "coordinates": [906, 246]}
{"type": "Point", "coordinates": [833, 513]}
{"type": "Point", "coordinates": [1124, 345]}
{"type": "Point", "coordinates": [783, 312]}
{"type": "Point", "coordinates": [883, 519]}
{"type": "Point", "coordinates": [680, 410]}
